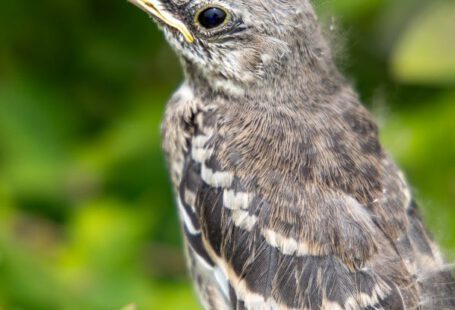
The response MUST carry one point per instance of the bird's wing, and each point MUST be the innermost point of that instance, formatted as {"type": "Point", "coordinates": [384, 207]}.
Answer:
{"type": "Point", "coordinates": [266, 258]}
{"type": "Point", "coordinates": [262, 268]}
{"type": "Point", "coordinates": [333, 229]}
{"type": "Point", "coordinates": [423, 260]}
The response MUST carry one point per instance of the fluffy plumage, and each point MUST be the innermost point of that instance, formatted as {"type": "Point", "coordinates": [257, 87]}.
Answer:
{"type": "Point", "coordinates": [287, 199]}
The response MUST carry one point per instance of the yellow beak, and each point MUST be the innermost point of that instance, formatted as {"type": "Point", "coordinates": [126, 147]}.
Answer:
{"type": "Point", "coordinates": [154, 7]}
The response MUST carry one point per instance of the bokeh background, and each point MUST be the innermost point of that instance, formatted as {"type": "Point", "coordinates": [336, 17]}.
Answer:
{"type": "Point", "coordinates": [86, 213]}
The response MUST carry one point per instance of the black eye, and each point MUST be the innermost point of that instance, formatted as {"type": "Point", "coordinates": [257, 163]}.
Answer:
{"type": "Point", "coordinates": [211, 17]}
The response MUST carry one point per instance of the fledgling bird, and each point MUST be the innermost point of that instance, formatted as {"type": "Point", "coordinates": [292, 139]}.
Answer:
{"type": "Point", "coordinates": [287, 199]}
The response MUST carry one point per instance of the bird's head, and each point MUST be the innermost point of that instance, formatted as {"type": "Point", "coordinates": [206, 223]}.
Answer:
{"type": "Point", "coordinates": [234, 43]}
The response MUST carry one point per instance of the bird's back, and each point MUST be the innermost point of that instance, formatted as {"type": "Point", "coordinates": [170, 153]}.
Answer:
{"type": "Point", "coordinates": [298, 209]}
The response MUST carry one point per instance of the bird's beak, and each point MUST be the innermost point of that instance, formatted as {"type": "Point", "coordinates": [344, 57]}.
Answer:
{"type": "Point", "coordinates": [155, 8]}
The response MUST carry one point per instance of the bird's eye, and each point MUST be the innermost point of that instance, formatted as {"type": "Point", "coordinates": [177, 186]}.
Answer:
{"type": "Point", "coordinates": [211, 17]}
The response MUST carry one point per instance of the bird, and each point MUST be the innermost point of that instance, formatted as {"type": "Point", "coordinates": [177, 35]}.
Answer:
{"type": "Point", "coordinates": [287, 198]}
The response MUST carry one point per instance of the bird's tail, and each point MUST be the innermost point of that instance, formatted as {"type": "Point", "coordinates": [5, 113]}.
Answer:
{"type": "Point", "coordinates": [438, 289]}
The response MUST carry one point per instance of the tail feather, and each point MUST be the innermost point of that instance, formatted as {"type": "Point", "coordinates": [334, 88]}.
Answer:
{"type": "Point", "coordinates": [438, 290]}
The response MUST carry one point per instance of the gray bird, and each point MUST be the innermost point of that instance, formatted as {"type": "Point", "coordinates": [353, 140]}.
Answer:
{"type": "Point", "coordinates": [286, 197]}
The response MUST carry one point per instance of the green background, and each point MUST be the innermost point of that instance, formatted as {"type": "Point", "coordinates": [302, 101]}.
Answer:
{"type": "Point", "coordinates": [86, 213]}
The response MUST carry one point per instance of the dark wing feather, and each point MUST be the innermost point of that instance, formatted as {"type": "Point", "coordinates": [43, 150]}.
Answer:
{"type": "Point", "coordinates": [260, 275]}
{"type": "Point", "coordinates": [436, 281]}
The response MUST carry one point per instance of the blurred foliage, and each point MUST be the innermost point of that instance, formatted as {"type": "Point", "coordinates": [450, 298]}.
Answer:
{"type": "Point", "coordinates": [86, 213]}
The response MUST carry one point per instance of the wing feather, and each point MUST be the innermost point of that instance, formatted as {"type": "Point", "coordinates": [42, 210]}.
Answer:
{"type": "Point", "coordinates": [261, 274]}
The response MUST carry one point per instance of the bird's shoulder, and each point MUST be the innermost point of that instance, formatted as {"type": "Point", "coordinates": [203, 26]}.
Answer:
{"type": "Point", "coordinates": [285, 178]}
{"type": "Point", "coordinates": [178, 127]}
{"type": "Point", "coordinates": [297, 219]}
{"type": "Point", "coordinates": [280, 243]}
